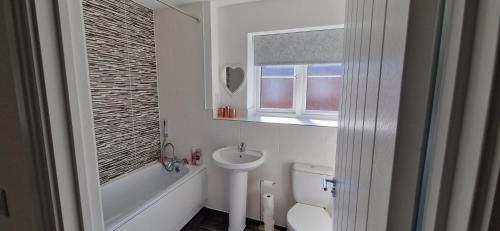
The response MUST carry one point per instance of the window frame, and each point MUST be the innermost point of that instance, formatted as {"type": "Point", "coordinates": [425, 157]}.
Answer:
{"type": "Point", "coordinates": [258, 72]}
{"type": "Point", "coordinates": [316, 112]}
{"type": "Point", "coordinates": [299, 96]}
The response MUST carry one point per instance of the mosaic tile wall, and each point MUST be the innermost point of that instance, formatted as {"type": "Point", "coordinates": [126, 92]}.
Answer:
{"type": "Point", "coordinates": [123, 82]}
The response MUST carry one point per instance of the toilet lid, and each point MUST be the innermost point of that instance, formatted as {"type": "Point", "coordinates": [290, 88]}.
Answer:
{"type": "Point", "coordinates": [303, 217]}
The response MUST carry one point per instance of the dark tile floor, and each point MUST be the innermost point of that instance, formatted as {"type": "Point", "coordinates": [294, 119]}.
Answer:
{"type": "Point", "coordinates": [213, 220]}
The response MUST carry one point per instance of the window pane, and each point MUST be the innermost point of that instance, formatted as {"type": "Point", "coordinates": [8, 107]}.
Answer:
{"type": "Point", "coordinates": [276, 93]}
{"type": "Point", "coordinates": [324, 69]}
{"type": "Point", "coordinates": [278, 70]}
{"type": "Point", "coordinates": [323, 93]}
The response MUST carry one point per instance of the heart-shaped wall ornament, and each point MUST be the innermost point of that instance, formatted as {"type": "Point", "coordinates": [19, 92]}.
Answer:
{"type": "Point", "coordinates": [232, 77]}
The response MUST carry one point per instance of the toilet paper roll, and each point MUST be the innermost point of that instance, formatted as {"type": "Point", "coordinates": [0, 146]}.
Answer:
{"type": "Point", "coordinates": [268, 221]}
{"type": "Point", "coordinates": [267, 183]}
{"type": "Point", "coordinates": [269, 227]}
{"type": "Point", "coordinates": [268, 213]}
{"type": "Point", "coordinates": [268, 205]}
{"type": "Point", "coordinates": [268, 200]}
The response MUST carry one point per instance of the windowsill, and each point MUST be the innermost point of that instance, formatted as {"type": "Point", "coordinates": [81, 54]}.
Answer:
{"type": "Point", "coordinates": [284, 120]}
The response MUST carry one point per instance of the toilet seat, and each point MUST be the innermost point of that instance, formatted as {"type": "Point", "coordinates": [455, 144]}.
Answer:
{"type": "Point", "coordinates": [302, 217]}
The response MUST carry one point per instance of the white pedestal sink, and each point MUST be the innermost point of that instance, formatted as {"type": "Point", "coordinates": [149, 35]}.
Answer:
{"type": "Point", "coordinates": [238, 164]}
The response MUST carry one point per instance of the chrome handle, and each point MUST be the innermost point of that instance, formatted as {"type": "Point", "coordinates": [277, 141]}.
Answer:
{"type": "Point", "coordinates": [333, 181]}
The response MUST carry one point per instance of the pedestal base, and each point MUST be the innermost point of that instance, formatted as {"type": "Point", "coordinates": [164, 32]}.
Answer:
{"type": "Point", "coordinates": [237, 200]}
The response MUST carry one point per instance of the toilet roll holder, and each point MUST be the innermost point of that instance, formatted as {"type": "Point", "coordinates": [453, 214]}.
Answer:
{"type": "Point", "coordinates": [270, 184]}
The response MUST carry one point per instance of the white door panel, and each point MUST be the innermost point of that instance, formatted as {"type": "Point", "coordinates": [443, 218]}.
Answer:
{"type": "Point", "coordinates": [375, 61]}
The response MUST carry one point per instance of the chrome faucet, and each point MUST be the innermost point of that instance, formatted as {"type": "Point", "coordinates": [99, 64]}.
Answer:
{"type": "Point", "coordinates": [171, 164]}
{"type": "Point", "coordinates": [163, 152]}
{"type": "Point", "coordinates": [242, 147]}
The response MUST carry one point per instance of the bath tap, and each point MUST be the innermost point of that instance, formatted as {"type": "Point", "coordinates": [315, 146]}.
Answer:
{"type": "Point", "coordinates": [242, 147]}
{"type": "Point", "coordinates": [163, 154]}
{"type": "Point", "coordinates": [171, 164]}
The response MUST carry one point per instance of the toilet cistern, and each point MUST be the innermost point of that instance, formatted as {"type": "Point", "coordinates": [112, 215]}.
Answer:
{"type": "Point", "coordinates": [310, 211]}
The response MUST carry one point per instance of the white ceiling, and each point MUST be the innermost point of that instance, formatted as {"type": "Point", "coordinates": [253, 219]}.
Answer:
{"type": "Point", "coordinates": [154, 4]}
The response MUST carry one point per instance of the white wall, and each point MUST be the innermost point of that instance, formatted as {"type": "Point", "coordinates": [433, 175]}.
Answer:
{"type": "Point", "coordinates": [236, 21]}
{"type": "Point", "coordinates": [181, 92]}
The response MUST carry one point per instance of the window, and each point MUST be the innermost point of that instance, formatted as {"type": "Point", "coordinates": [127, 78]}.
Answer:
{"type": "Point", "coordinates": [297, 73]}
{"type": "Point", "coordinates": [277, 88]}
{"type": "Point", "coordinates": [324, 83]}
{"type": "Point", "coordinates": [299, 90]}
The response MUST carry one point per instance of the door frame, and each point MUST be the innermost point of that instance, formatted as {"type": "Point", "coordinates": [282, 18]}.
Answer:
{"type": "Point", "coordinates": [34, 64]}
{"type": "Point", "coordinates": [73, 44]}
{"type": "Point", "coordinates": [26, 134]}
{"type": "Point", "coordinates": [79, 103]}
{"type": "Point", "coordinates": [460, 115]}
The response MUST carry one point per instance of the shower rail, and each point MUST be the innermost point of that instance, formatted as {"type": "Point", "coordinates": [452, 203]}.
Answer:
{"type": "Point", "coordinates": [179, 10]}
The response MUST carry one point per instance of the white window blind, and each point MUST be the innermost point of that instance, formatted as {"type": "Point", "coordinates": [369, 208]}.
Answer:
{"type": "Point", "coordinates": [316, 46]}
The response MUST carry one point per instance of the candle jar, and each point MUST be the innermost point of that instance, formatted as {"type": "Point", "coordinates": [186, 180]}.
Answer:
{"type": "Point", "coordinates": [220, 112]}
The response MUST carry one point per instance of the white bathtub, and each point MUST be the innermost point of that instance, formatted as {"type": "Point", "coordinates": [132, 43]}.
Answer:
{"type": "Point", "coordinates": [154, 199]}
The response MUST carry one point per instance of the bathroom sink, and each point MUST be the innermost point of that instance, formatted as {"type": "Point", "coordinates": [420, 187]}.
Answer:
{"type": "Point", "coordinates": [238, 161]}
{"type": "Point", "coordinates": [231, 158]}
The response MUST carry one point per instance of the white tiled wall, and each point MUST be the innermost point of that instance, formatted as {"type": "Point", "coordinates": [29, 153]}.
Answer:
{"type": "Point", "coordinates": [181, 91]}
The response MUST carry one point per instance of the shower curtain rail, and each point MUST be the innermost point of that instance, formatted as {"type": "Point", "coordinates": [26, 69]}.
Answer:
{"type": "Point", "coordinates": [179, 10]}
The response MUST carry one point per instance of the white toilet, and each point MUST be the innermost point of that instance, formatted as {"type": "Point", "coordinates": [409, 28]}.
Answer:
{"type": "Point", "coordinates": [312, 210]}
